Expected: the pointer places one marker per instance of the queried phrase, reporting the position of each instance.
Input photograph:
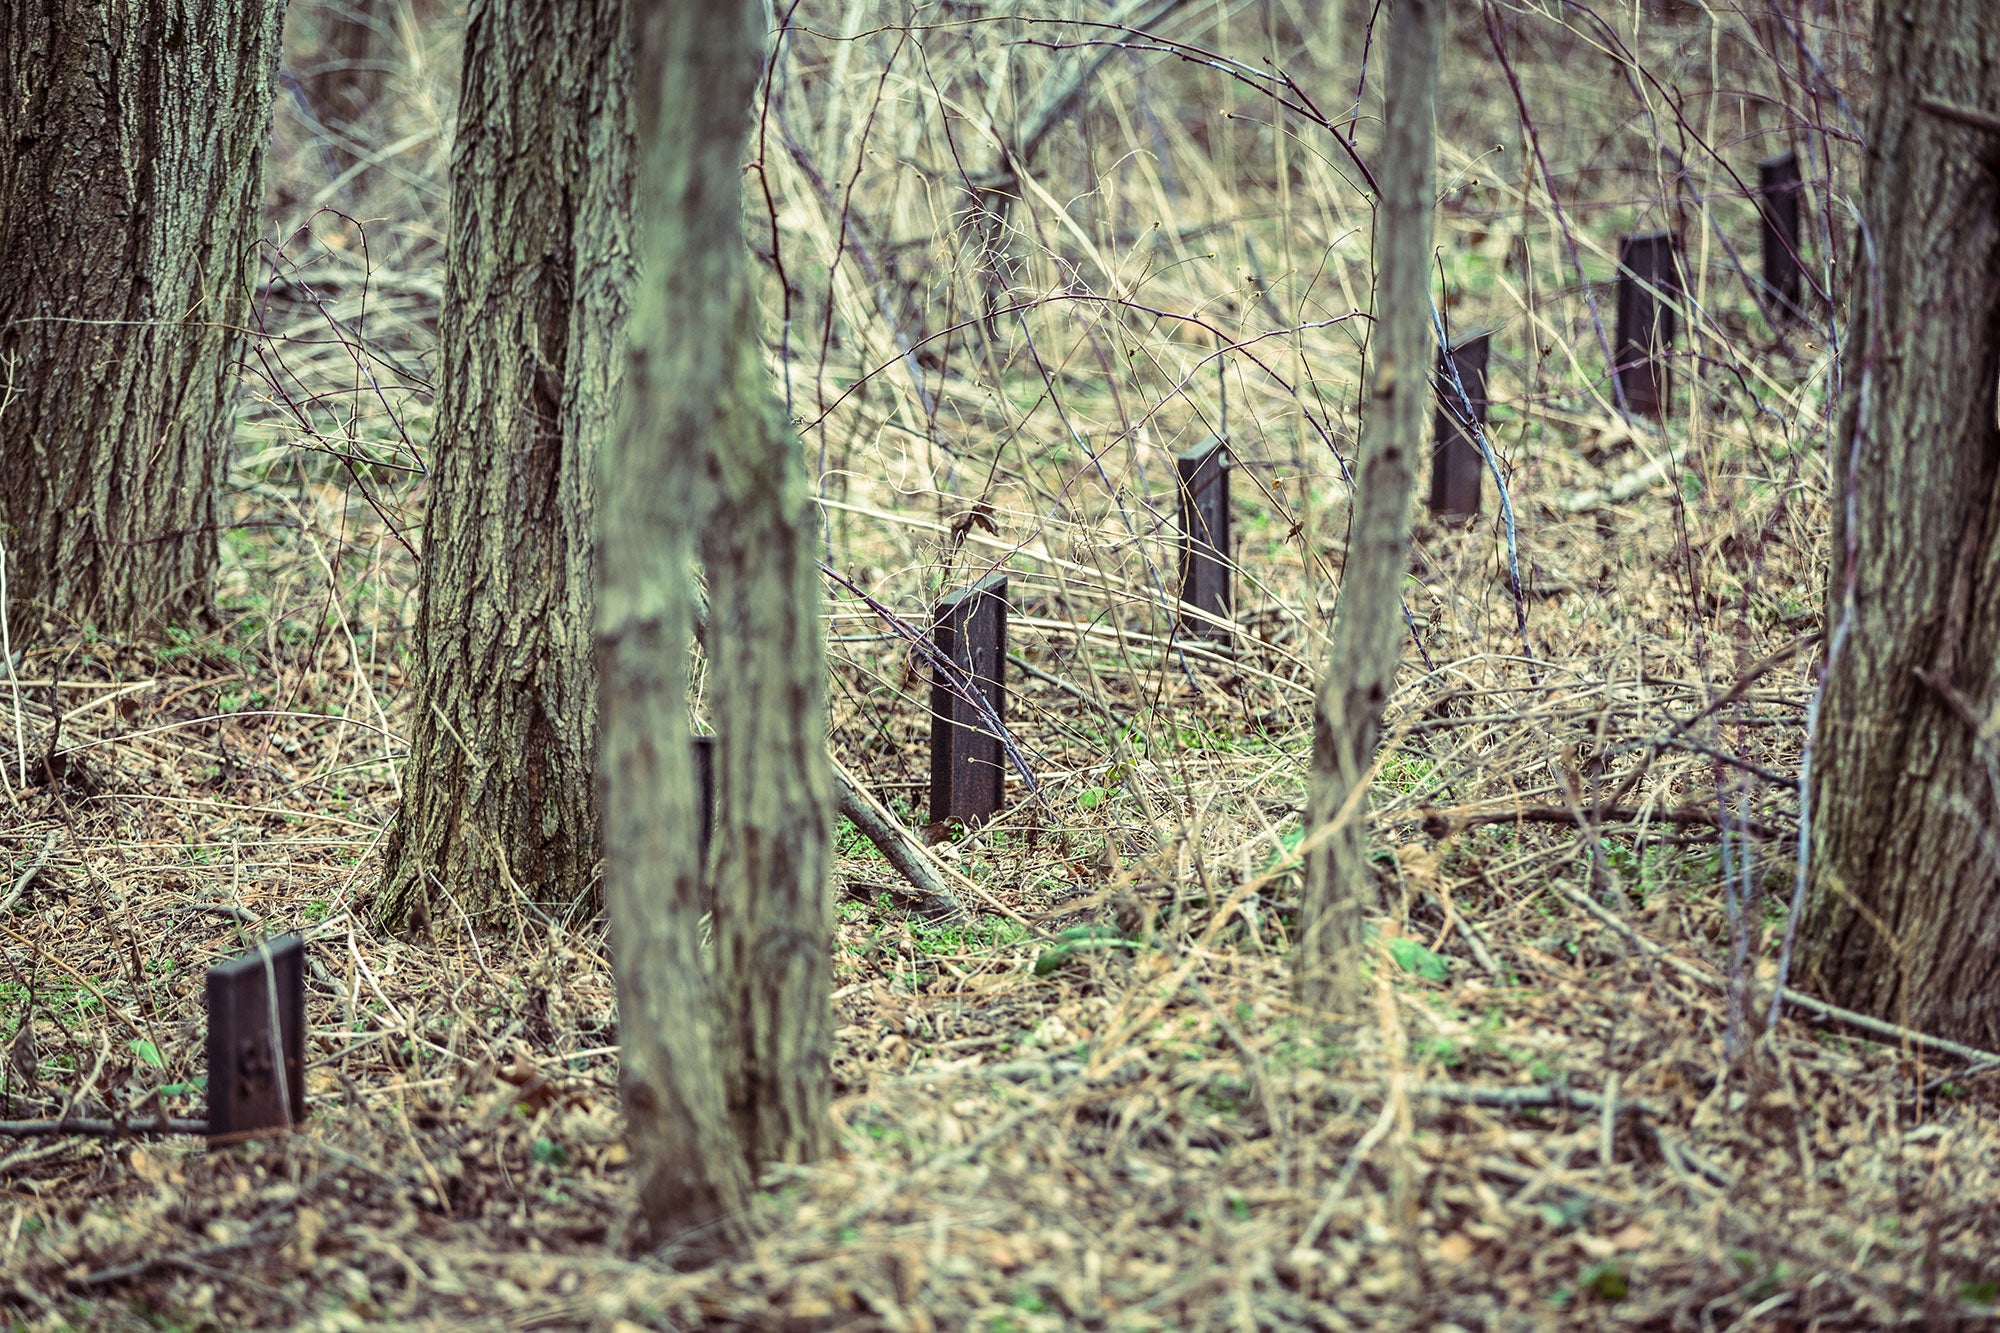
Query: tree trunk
(1368, 628)
(132, 140)
(724, 1067)
(359, 43)
(773, 782)
(499, 783)
(1904, 918)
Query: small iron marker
(1778, 190)
(256, 1040)
(704, 792)
(1649, 281)
(1204, 486)
(1457, 463)
(967, 766)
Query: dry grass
(1533, 1125)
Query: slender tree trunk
(774, 785)
(359, 38)
(724, 1067)
(1368, 628)
(1904, 919)
(132, 140)
(503, 737)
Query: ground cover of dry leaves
(1530, 1124)
(1096, 1107)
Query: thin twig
(1444, 823)
(1970, 117)
(1878, 1026)
(27, 876)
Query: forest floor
(1096, 1106)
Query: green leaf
(1414, 957)
(1607, 1281)
(148, 1052)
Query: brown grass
(1532, 1125)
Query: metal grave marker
(1778, 189)
(704, 791)
(1203, 472)
(1648, 280)
(256, 1039)
(1456, 463)
(968, 766)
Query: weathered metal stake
(1648, 270)
(256, 1039)
(1457, 464)
(1778, 189)
(968, 767)
(1205, 586)
(704, 791)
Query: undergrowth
(1094, 1106)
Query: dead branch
(897, 847)
(1444, 823)
(27, 876)
(95, 1127)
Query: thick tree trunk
(502, 740)
(1904, 920)
(724, 1067)
(1368, 628)
(132, 140)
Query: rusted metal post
(968, 767)
(1778, 189)
(1205, 584)
(704, 791)
(1457, 463)
(1648, 282)
(256, 1039)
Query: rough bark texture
(1368, 627)
(1904, 921)
(502, 739)
(773, 783)
(726, 1067)
(132, 141)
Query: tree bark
(724, 1067)
(773, 781)
(132, 139)
(1368, 627)
(1904, 917)
(499, 783)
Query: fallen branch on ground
(1878, 1026)
(1444, 823)
(27, 877)
(1624, 488)
(897, 847)
(98, 1128)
